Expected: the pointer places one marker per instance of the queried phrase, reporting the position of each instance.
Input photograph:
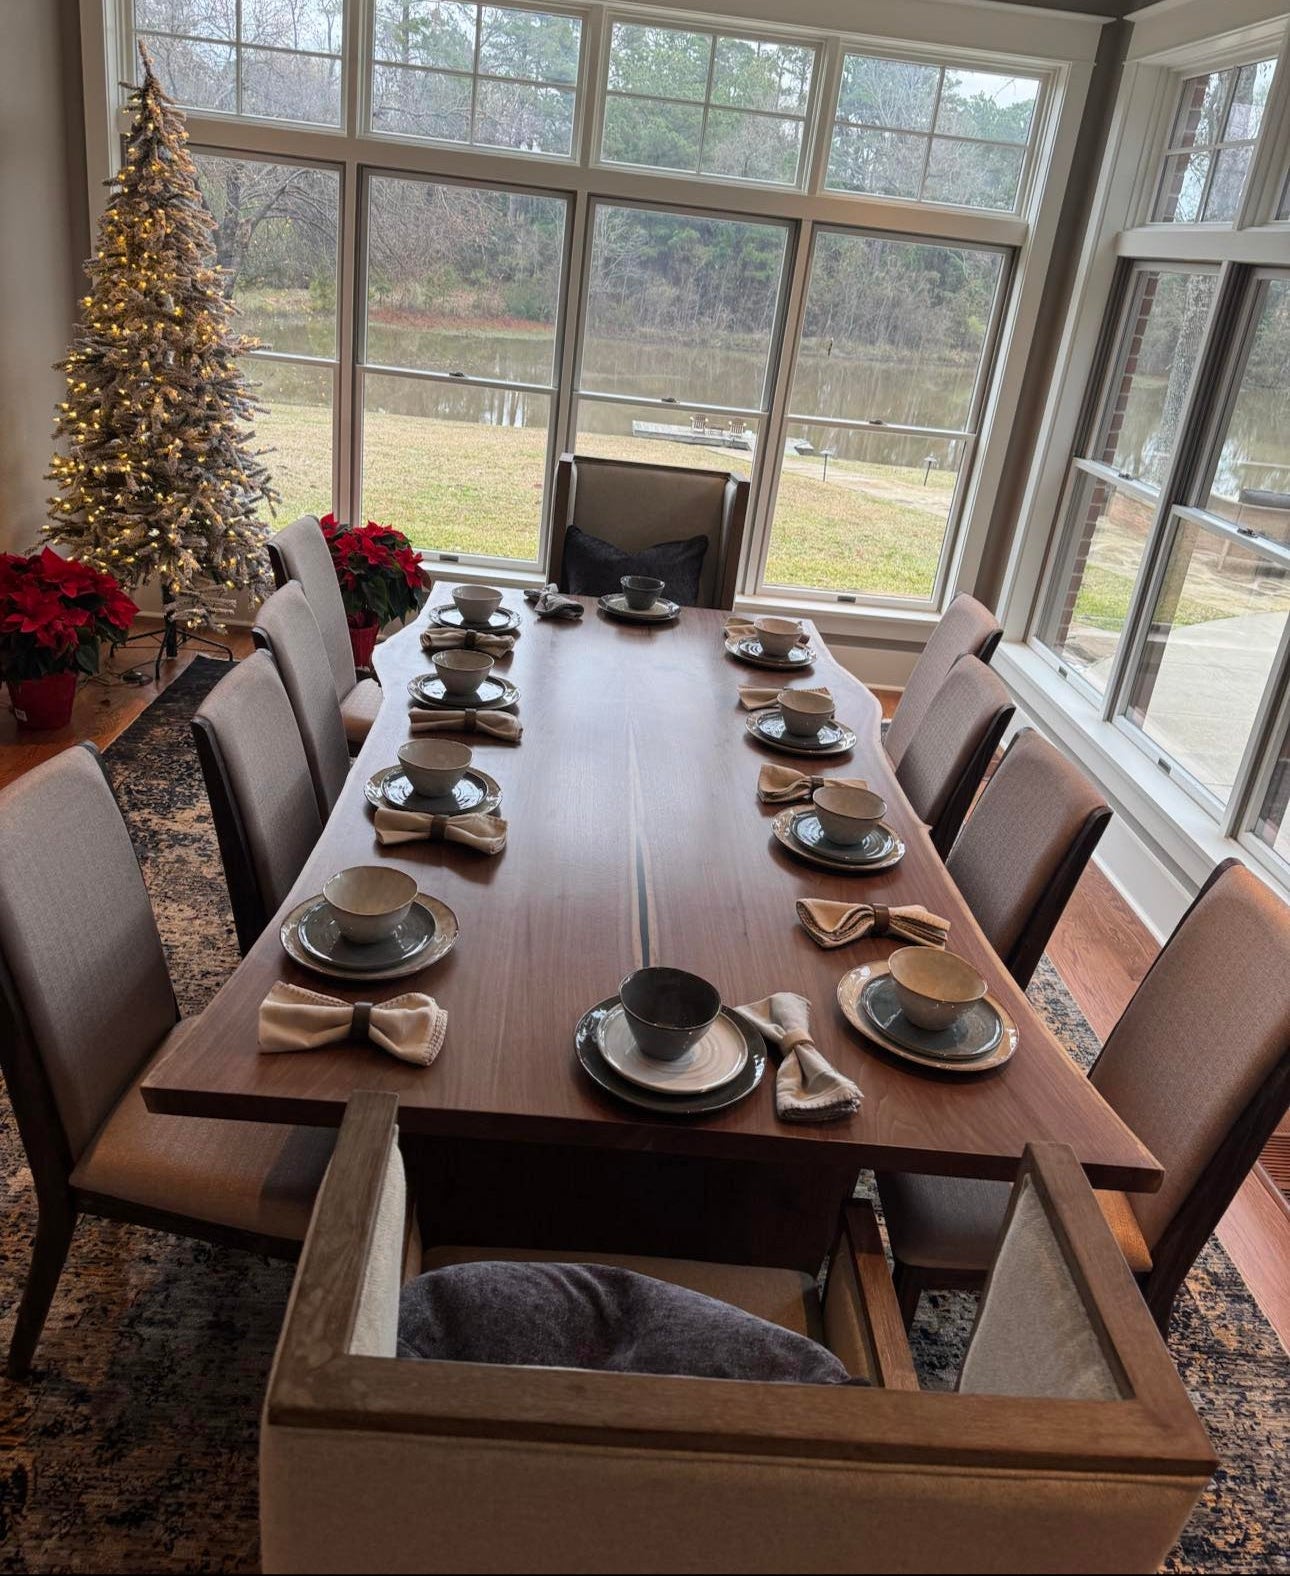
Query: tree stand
(170, 640)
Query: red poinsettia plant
(55, 614)
(378, 570)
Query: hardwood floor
(1100, 948)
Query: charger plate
(851, 989)
(785, 828)
(587, 1047)
(443, 939)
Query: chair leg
(49, 1254)
(909, 1288)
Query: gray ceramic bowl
(668, 1010)
(848, 814)
(369, 901)
(434, 766)
(934, 988)
(641, 592)
(462, 672)
(778, 636)
(477, 604)
(804, 714)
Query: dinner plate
(494, 694)
(502, 622)
(320, 935)
(476, 794)
(873, 853)
(783, 829)
(600, 1072)
(663, 611)
(976, 1032)
(851, 999)
(767, 725)
(750, 651)
(712, 1061)
(440, 920)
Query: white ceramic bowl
(934, 988)
(462, 672)
(804, 714)
(848, 814)
(477, 604)
(778, 636)
(434, 766)
(369, 901)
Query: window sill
(862, 622)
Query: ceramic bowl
(641, 592)
(434, 766)
(934, 988)
(848, 814)
(778, 636)
(668, 1010)
(462, 672)
(477, 604)
(369, 901)
(804, 714)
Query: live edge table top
(636, 835)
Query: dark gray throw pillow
(594, 567)
(598, 1316)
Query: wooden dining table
(636, 836)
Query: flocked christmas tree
(160, 478)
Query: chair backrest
(1024, 847)
(299, 552)
(285, 627)
(371, 1463)
(1199, 1063)
(967, 628)
(262, 799)
(83, 980)
(948, 756)
(635, 505)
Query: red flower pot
(44, 702)
(362, 637)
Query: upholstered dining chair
(966, 628)
(1024, 848)
(299, 552)
(262, 797)
(1198, 1066)
(635, 506)
(955, 743)
(86, 1009)
(285, 627)
(370, 1462)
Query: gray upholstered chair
(955, 743)
(1198, 1066)
(966, 628)
(86, 1009)
(1025, 845)
(635, 505)
(372, 1463)
(262, 798)
(299, 552)
(286, 628)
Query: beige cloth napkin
(550, 602)
(784, 784)
(837, 924)
(411, 1027)
(738, 628)
(487, 833)
(752, 697)
(437, 639)
(807, 1088)
(498, 724)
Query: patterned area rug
(135, 1446)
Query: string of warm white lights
(159, 478)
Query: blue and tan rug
(135, 1447)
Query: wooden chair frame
(738, 491)
(59, 1204)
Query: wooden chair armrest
(883, 1329)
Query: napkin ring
(361, 1026)
(468, 722)
(438, 828)
(470, 640)
(881, 920)
(791, 1039)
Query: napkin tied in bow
(738, 628)
(447, 639)
(550, 602)
(836, 924)
(498, 724)
(808, 1088)
(752, 697)
(486, 833)
(411, 1027)
(784, 784)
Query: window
(679, 334)
(494, 76)
(459, 362)
(882, 412)
(276, 238)
(275, 59)
(939, 134)
(706, 103)
(1211, 143)
(1272, 819)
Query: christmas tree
(159, 478)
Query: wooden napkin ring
(468, 722)
(438, 828)
(469, 641)
(792, 1038)
(881, 920)
(361, 1026)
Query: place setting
(842, 829)
(641, 601)
(770, 642)
(476, 610)
(462, 681)
(797, 721)
(931, 1008)
(369, 922)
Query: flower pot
(45, 702)
(362, 638)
